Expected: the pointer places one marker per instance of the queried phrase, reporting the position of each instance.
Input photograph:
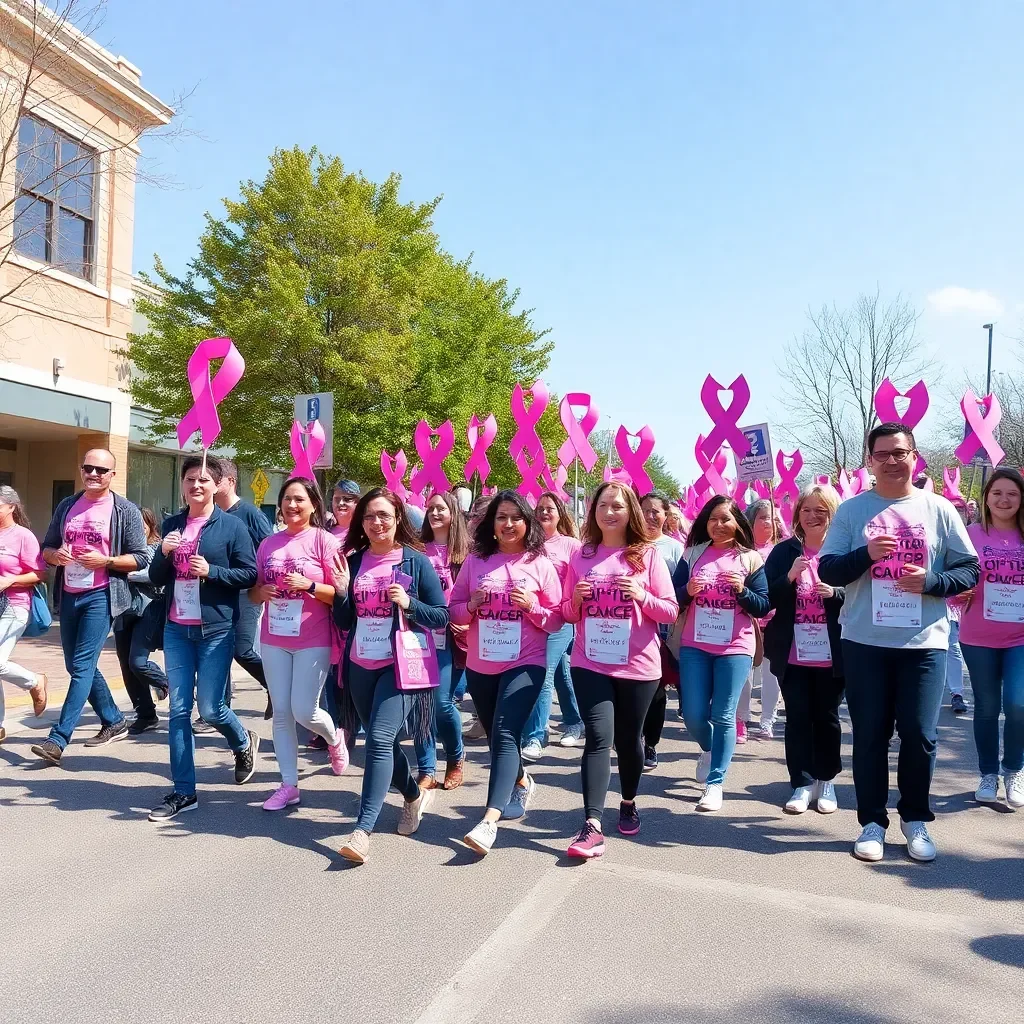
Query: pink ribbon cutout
(763, 489)
(481, 436)
(864, 478)
(531, 487)
(726, 421)
(633, 461)
(847, 486)
(788, 489)
(556, 483)
(693, 504)
(983, 426)
(431, 473)
(578, 431)
(208, 394)
(885, 407)
(711, 478)
(823, 480)
(951, 484)
(394, 470)
(617, 475)
(526, 438)
(305, 457)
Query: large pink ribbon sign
(207, 394)
(693, 504)
(726, 421)
(480, 436)
(951, 484)
(864, 478)
(394, 472)
(633, 461)
(885, 407)
(789, 467)
(305, 456)
(711, 478)
(847, 485)
(531, 487)
(556, 482)
(431, 473)
(982, 428)
(576, 443)
(526, 438)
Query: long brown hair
(744, 538)
(1004, 473)
(458, 534)
(636, 526)
(150, 523)
(404, 533)
(565, 526)
(318, 517)
(9, 496)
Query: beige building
(75, 116)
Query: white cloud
(955, 299)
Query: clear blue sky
(669, 184)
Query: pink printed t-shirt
(764, 551)
(87, 528)
(501, 635)
(995, 615)
(19, 554)
(560, 550)
(618, 636)
(296, 620)
(810, 647)
(371, 638)
(715, 621)
(185, 607)
(340, 533)
(438, 555)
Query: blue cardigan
(225, 543)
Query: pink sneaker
(282, 797)
(588, 844)
(339, 754)
(741, 731)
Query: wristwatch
(312, 588)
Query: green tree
(326, 281)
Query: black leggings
(613, 710)
(814, 736)
(655, 720)
(137, 671)
(503, 703)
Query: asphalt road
(230, 914)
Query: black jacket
(778, 634)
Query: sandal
(453, 774)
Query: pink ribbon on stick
(431, 473)
(885, 407)
(633, 461)
(951, 484)
(556, 482)
(305, 456)
(207, 394)
(480, 435)
(983, 426)
(530, 470)
(726, 421)
(394, 472)
(711, 478)
(789, 467)
(578, 431)
(525, 438)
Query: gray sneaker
(572, 735)
(520, 799)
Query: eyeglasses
(896, 455)
(379, 517)
(96, 470)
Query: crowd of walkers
(878, 600)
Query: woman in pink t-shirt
(21, 568)
(296, 585)
(992, 637)
(619, 590)
(508, 594)
(721, 587)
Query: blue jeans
(997, 677)
(84, 625)
(383, 709)
(710, 686)
(461, 686)
(447, 725)
(955, 660)
(198, 664)
(556, 678)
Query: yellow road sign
(259, 486)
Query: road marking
(465, 994)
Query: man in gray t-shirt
(900, 552)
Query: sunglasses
(96, 470)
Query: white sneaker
(703, 766)
(825, 797)
(767, 731)
(481, 838)
(988, 790)
(712, 798)
(799, 801)
(572, 736)
(1014, 783)
(919, 843)
(870, 843)
(532, 751)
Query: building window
(53, 214)
(153, 482)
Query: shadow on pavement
(1003, 949)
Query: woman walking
(619, 589)
(802, 643)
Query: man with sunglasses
(94, 540)
(900, 552)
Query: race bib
(77, 577)
(284, 616)
(811, 640)
(1004, 602)
(713, 625)
(440, 638)
(373, 638)
(891, 606)
(499, 639)
(607, 640)
(186, 601)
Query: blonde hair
(829, 498)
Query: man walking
(900, 552)
(95, 538)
